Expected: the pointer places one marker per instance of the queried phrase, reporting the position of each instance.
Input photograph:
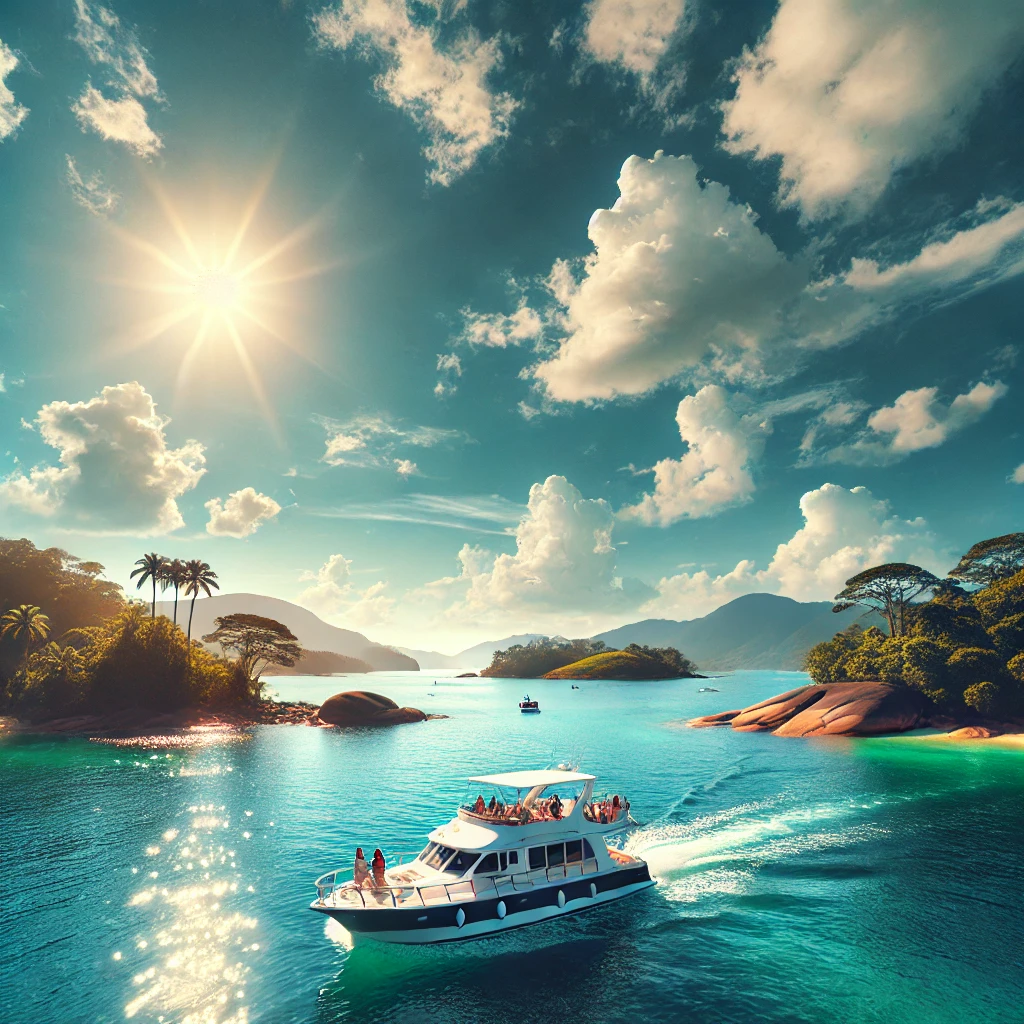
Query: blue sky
(456, 319)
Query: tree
(25, 625)
(198, 577)
(888, 588)
(991, 560)
(150, 567)
(258, 642)
(173, 575)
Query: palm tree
(25, 624)
(150, 567)
(198, 577)
(173, 575)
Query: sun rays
(216, 292)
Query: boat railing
(337, 888)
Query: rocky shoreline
(852, 709)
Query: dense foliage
(633, 662)
(539, 657)
(258, 642)
(965, 651)
(129, 661)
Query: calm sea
(848, 881)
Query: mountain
(313, 633)
(475, 657)
(753, 631)
(319, 663)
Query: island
(558, 658)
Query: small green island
(557, 658)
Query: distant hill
(313, 633)
(614, 665)
(753, 631)
(319, 663)
(472, 657)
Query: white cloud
(917, 419)
(117, 473)
(464, 513)
(1018, 474)
(241, 514)
(372, 441)
(118, 120)
(116, 49)
(91, 192)
(12, 113)
(406, 468)
(849, 92)
(449, 366)
(844, 532)
(715, 471)
(633, 33)
(332, 594)
(496, 330)
(681, 279)
(438, 78)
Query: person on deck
(492, 807)
(378, 868)
(555, 807)
(616, 808)
(360, 870)
(479, 807)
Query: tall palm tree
(198, 577)
(173, 575)
(150, 567)
(25, 624)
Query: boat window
(503, 861)
(489, 862)
(513, 856)
(428, 850)
(588, 850)
(574, 852)
(537, 859)
(556, 855)
(461, 862)
(438, 857)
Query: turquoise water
(853, 881)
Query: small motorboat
(574, 686)
(534, 851)
(707, 689)
(529, 707)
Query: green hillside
(618, 665)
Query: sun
(219, 286)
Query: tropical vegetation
(633, 662)
(258, 642)
(964, 649)
(550, 654)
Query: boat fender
(501, 910)
(593, 891)
(460, 917)
(561, 898)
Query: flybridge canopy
(531, 779)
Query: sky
(451, 319)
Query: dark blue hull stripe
(396, 919)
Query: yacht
(529, 847)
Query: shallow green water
(854, 881)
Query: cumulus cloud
(497, 330)
(373, 441)
(241, 514)
(848, 92)
(632, 33)
(1018, 474)
(117, 474)
(439, 79)
(116, 49)
(844, 532)
(406, 468)
(91, 192)
(714, 473)
(917, 419)
(681, 278)
(12, 113)
(332, 593)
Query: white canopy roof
(463, 835)
(529, 779)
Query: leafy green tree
(173, 576)
(258, 642)
(150, 567)
(56, 678)
(991, 560)
(984, 697)
(533, 660)
(889, 589)
(199, 579)
(26, 625)
(672, 659)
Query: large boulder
(833, 709)
(359, 707)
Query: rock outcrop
(359, 707)
(833, 709)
